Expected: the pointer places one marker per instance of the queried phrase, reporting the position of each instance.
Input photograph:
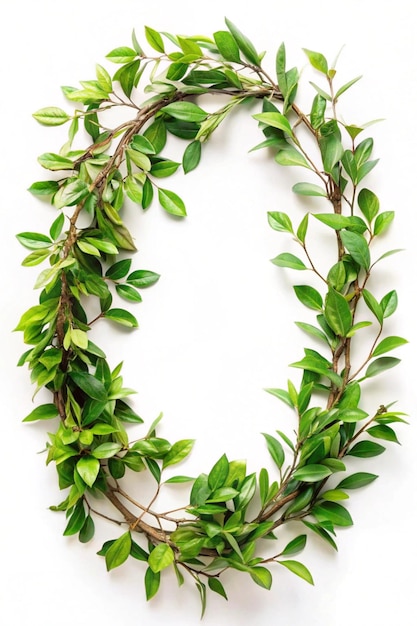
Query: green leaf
(122, 317)
(317, 60)
(227, 46)
(152, 582)
(275, 450)
(332, 512)
(346, 86)
(387, 344)
(380, 365)
(308, 189)
(88, 468)
(51, 116)
(161, 557)
(128, 293)
(55, 162)
(357, 480)
(383, 221)
(337, 313)
(71, 193)
(44, 188)
(185, 111)
(123, 54)
(178, 480)
(312, 473)
(357, 246)
(142, 278)
(382, 431)
(87, 531)
(295, 546)
(191, 157)
(280, 221)
(106, 450)
(34, 241)
(389, 303)
(366, 449)
(42, 412)
(218, 474)
(309, 296)
(276, 120)
(334, 220)
(119, 551)
(261, 576)
(302, 228)
(178, 452)
(282, 394)
(245, 46)
(299, 569)
(216, 586)
(56, 226)
(291, 156)
(119, 269)
(373, 305)
(368, 203)
(91, 386)
(172, 203)
(76, 521)
(154, 39)
(286, 259)
(164, 168)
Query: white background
(218, 328)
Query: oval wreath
(229, 514)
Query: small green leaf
(295, 546)
(309, 296)
(286, 259)
(191, 157)
(368, 203)
(55, 162)
(308, 189)
(121, 55)
(88, 468)
(178, 452)
(152, 582)
(276, 120)
(382, 431)
(357, 246)
(261, 576)
(387, 344)
(317, 60)
(34, 241)
(383, 221)
(245, 46)
(76, 521)
(275, 450)
(154, 39)
(290, 157)
(51, 116)
(56, 227)
(128, 293)
(161, 557)
(122, 317)
(119, 269)
(366, 449)
(218, 473)
(185, 111)
(299, 569)
(337, 313)
(91, 386)
(332, 512)
(227, 46)
(312, 473)
(44, 188)
(119, 551)
(106, 450)
(280, 221)
(42, 412)
(380, 365)
(142, 278)
(87, 531)
(172, 203)
(357, 480)
(216, 586)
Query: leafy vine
(230, 514)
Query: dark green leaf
(191, 157)
(216, 586)
(333, 512)
(152, 582)
(87, 531)
(337, 313)
(142, 278)
(356, 481)
(380, 365)
(366, 449)
(91, 386)
(382, 431)
(76, 521)
(128, 293)
(245, 46)
(227, 46)
(295, 546)
(357, 246)
(275, 450)
(309, 296)
(218, 474)
(119, 269)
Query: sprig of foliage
(229, 512)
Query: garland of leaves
(229, 513)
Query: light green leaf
(380, 365)
(309, 296)
(191, 157)
(332, 512)
(280, 221)
(171, 202)
(34, 241)
(123, 54)
(51, 116)
(245, 46)
(276, 120)
(161, 557)
(88, 468)
(383, 221)
(337, 313)
(227, 46)
(357, 247)
(291, 156)
(119, 551)
(312, 473)
(299, 569)
(286, 259)
(106, 450)
(295, 546)
(185, 111)
(387, 344)
(308, 189)
(261, 576)
(142, 278)
(178, 452)
(317, 60)
(154, 39)
(55, 162)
